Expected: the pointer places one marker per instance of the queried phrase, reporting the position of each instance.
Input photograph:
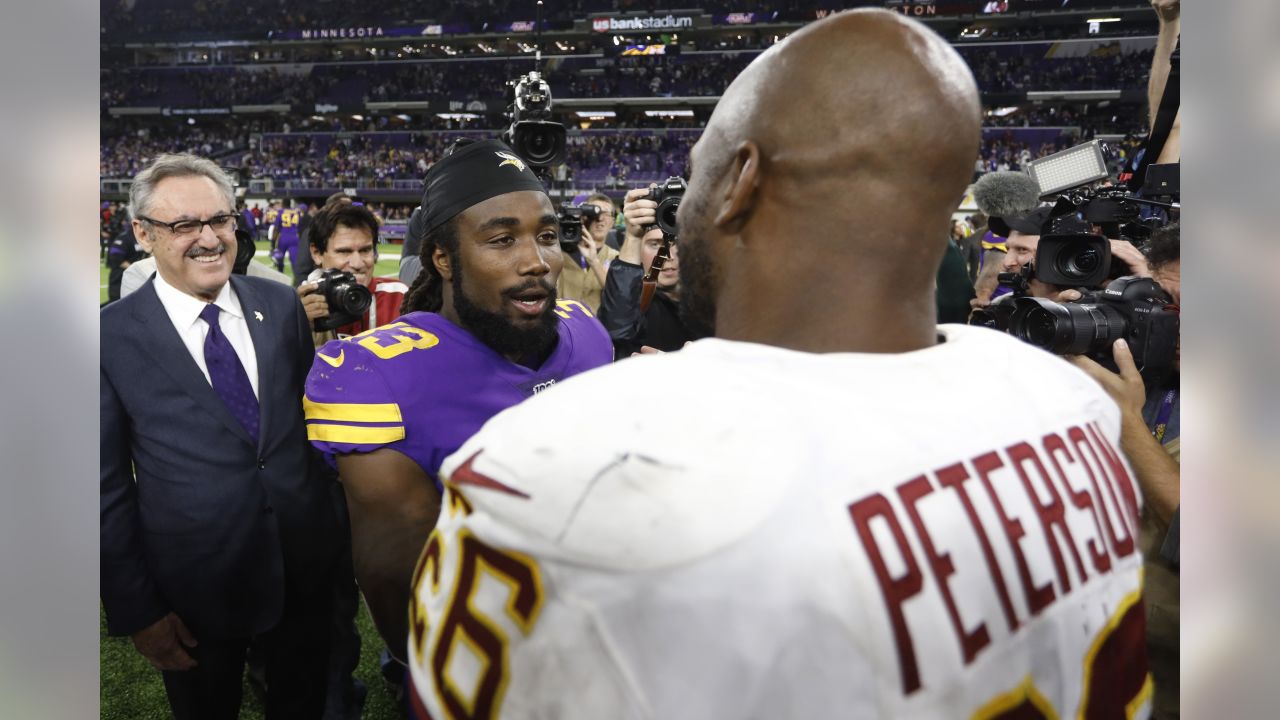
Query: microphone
(1005, 194)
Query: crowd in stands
(124, 155)
(127, 18)
(359, 160)
(624, 156)
(604, 159)
(997, 70)
(1010, 72)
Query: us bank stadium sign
(614, 24)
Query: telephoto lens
(1072, 329)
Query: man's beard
(498, 331)
(697, 294)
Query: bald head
(837, 157)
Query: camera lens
(1086, 262)
(667, 215)
(1039, 327)
(1072, 329)
(1078, 265)
(353, 299)
(539, 143)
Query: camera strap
(649, 284)
(1164, 413)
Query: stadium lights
(358, 118)
(1002, 111)
(1069, 168)
(1102, 20)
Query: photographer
(660, 326)
(1022, 233)
(343, 238)
(586, 266)
(1150, 428)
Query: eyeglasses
(220, 224)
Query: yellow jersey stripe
(354, 434)
(351, 412)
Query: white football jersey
(743, 531)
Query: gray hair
(176, 165)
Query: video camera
(533, 135)
(1070, 255)
(668, 196)
(347, 298)
(571, 225)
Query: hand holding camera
(1125, 385)
(313, 303)
(639, 213)
(589, 249)
(342, 299)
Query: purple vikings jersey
(422, 386)
(287, 226)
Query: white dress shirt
(184, 312)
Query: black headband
(472, 174)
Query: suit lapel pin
(258, 314)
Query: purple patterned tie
(229, 379)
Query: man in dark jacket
(660, 325)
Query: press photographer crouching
(341, 296)
(636, 316)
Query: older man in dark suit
(217, 528)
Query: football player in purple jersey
(482, 331)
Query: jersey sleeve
(349, 406)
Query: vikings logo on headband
(469, 176)
(509, 159)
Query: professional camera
(347, 298)
(1134, 309)
(533, 135)
(1073, 260)
(571, 226)
(996, 315)
(668, 196)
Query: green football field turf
(385, 267)
(132, 690)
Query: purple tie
(229, 379)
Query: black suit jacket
(215, 527)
